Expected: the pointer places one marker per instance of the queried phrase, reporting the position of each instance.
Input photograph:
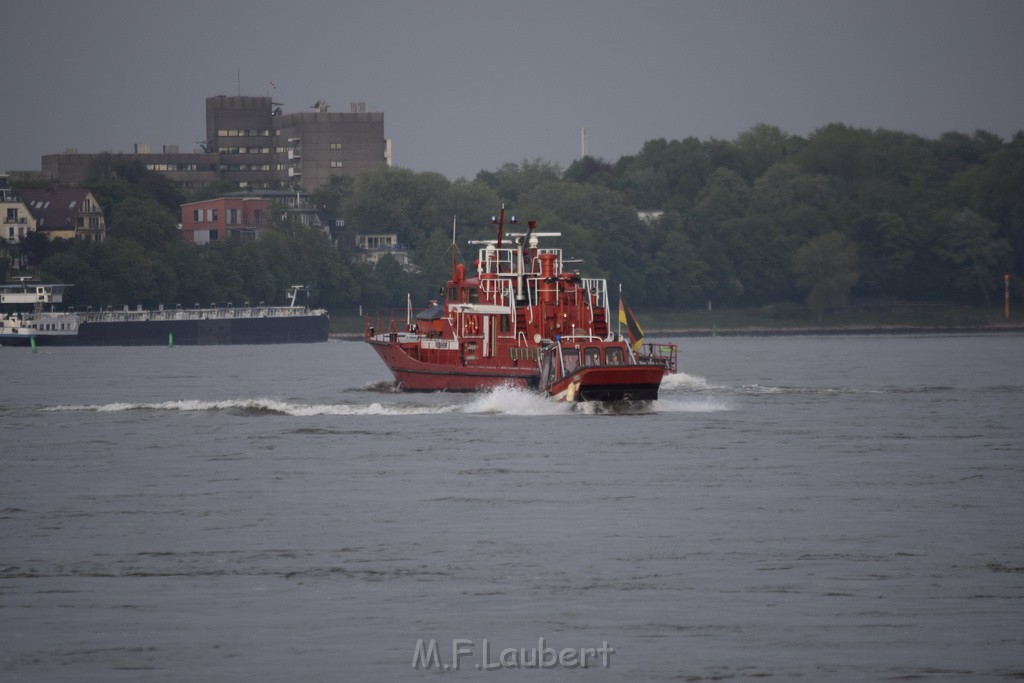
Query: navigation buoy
(32, 341)
(170, 339)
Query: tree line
(767, 218)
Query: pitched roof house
(66, 213)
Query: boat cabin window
(591, 356)
(474, 295)
(570, 360)
(547, 368)
(613, 356)
(505, 323)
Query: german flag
(626, 317)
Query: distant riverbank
(797, 331)
(825, 330)
(791, 319)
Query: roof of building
(56, 208)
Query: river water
(829, 508)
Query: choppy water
(840, 508)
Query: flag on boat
(626, 317)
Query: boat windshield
(570, 360)
(613, 356)
(591, 356)
(547, 368)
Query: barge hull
(270, 330)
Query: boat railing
(653, 353)
(575, 337)
(505, 261)
(499, 261)
(500, 292)
(397, 320)
(172, 314)
(598, 288)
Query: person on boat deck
(591, 357)
(613, 356)
(571, 360)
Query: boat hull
(610, 384)
(416, 375)
(270, 330)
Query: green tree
(759, 254)
(977, 258)
(666, 175)
(78, 266)
(996, 194)
(589, 170)
(827, 266)
(676, 275)
(332, 196)
(36, 247)
(512, 181)
(112, 181)
(143, 221)
(400, 201)
(724, 197)
(763, 146)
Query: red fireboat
(521, 309)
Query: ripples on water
(840, 508)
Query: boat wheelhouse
(582, 368)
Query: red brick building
(215, 220)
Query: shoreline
(836, 331)
(798, 331)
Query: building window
(213, 235)
(336, 164)
(233, 217)
(197, 215)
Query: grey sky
(467, 85)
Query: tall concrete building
(251, 143)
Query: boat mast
(619, 333)
(500, 221)
(453, 246)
